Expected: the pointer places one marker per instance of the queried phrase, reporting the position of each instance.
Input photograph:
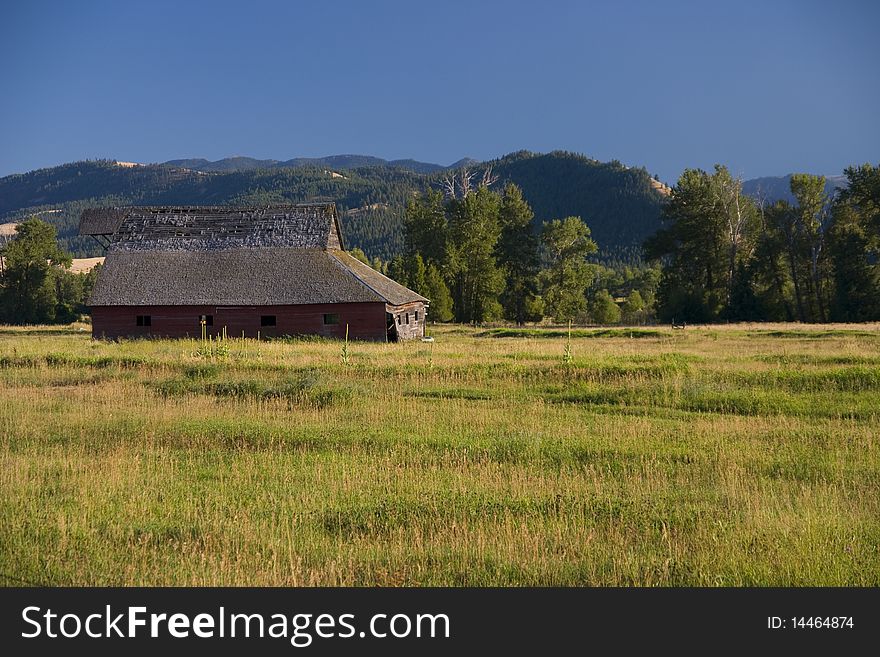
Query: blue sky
(765, 87)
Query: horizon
(795, 90)
(827, 175)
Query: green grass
(712, 456)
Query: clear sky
(766, 87)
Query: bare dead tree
(448, 184)
(461, 183)
(489, 177)
(465, 181)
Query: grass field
(741, 455)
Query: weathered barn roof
(100, 221)
(392, 291)
(304, 226)
(268, 276)
(281, 255)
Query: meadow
(714, 456)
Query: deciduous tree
(567, 244)
(31, 263)
(603, 309)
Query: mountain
(419, 167)
(778, 188)
(227, 164)
(240, 163)
(462, 163)
(620, 204)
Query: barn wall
(406, 324)
(367, 321)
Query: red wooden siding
(366, 321)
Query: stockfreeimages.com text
(301, 629)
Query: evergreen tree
(437, 292)
(415, 273)
(425, 227)
(397, 270)
(518, 256)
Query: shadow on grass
(61, 330)
(575, 333)
(815, 335)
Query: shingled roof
(390, 290)
(280, 255)
(100, 221)
(305, 226)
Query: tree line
(472, 251)
(475, 253)
(478, 255)
(728, 257)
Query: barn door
(391, 327)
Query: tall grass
(712, 456)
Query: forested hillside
(618, 203)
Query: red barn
(272, 271)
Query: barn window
(331, 318)
(417, 316)
(267, 320)
(407, 318)
(144, 320)
(399, 320)
(207, 319)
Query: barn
(258, 272)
